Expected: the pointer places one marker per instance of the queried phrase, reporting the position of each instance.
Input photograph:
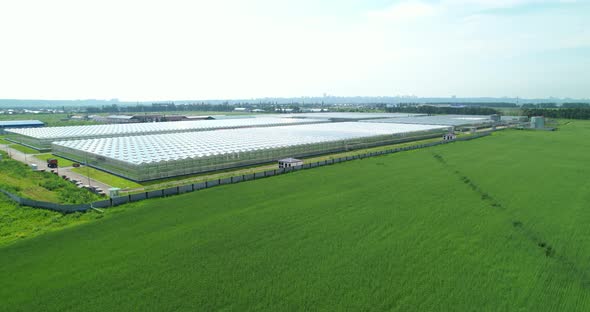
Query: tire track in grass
(536, 238)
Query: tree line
(566, 113)
(554, 105)
(426, 109)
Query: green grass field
(497, 223)
(24, 222)
(106, 177)
(24, 149)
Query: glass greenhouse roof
(446, 120)
(343, 115)
(114, 130)
(8, 123)
(171, 147)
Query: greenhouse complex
(156, 156)
(446, 120)
(41, 138)
(343, 116)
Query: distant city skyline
(229, 49)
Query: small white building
(449, 136)
(290, 162)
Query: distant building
(202, 117)
(120, 119)
(313, 110)
(290, 162)
(449, 136)
(5, 124)
(240, 109)
(538, 122)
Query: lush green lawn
(106, 177)
(24, 149)
(498, 223)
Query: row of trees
(425, 109)
(140, 108)
(567, 113)
(554, 105)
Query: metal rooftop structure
(163, 155)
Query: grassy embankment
(19, 179)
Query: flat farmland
(497, 223)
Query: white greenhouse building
(445, 120)
(151, 157)
(41, 138)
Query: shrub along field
(498, 223)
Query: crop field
(497, 223)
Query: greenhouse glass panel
(159, 156)
(446, 120)
(41, 138)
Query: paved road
(42, 165)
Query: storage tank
(538, 122)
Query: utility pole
(87, 169)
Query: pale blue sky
(181, 49)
